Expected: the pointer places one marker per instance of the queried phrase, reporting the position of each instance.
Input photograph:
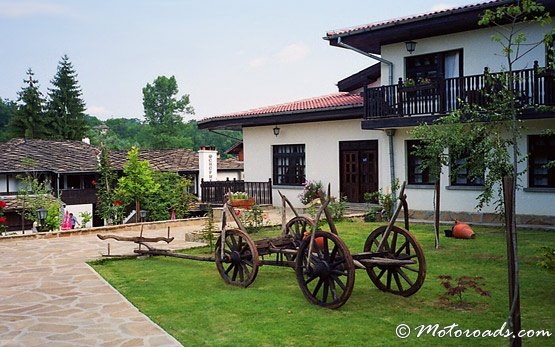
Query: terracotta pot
(245, 203)
(319, 240)
(462, 231)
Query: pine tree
(66, 108)
(28, 120)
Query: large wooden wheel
(239, 264)
(297, 227)
(326, 277)
(404, 277)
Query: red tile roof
(412, 18)
(332, 101)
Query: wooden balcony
(402, 105)
(79, 196)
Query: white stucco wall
(479, 51)
(321, 142)
(458, 199)
(224, 175)
(77, 210)
(322, 163)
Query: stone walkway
(49, 296)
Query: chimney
(208, 164)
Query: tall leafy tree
(66, 107)
(28, 120)
(164, 110)
(7, 110)
(137, 181)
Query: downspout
(390, 132)
(370, 55)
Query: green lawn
(191, 302)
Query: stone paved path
(49, 296)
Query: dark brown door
(359, 169)
(350, 175)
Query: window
(415, 173)
(462, 175)
(289, 165)
(434, 66)
(541, 150)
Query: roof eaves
(282, 113)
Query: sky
(229, 56)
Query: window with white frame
(289, 164)
(541, 161)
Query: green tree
(28, 120)
(7, 110)
(137, 182)
(34, 194)
(108, 207)
(173, 195)
(65, 109)
(163, 110)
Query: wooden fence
(212, 192)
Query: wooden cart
(324, 266)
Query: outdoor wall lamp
(42, 214)
(276, 130)
(143, 215)
(411, 46)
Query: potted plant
(240, 199)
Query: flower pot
(462, 231)
(244, 203)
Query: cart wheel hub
(322, 269)
(235, 258)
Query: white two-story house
(359, 139)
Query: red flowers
(2, 220)
(117, 202)
(93, 182)
(2, 204)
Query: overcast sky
(227, 55)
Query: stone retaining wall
(147, 226)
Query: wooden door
(350, 175)
(358, 169)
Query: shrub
(548, 258)
(385, 200)
(337, 208)
(456, 287)
(85, 218)
(209, 228)
(312, 190)
(252, 219)
(2, 218)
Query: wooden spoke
(239, 265)
(331, 264)
(297, 227)
(400, 245)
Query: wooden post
(514, 291)
(283, 215)
(436, 213)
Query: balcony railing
(533, 86)
(78, 196)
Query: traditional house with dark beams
(70, 170)
(359, 138)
